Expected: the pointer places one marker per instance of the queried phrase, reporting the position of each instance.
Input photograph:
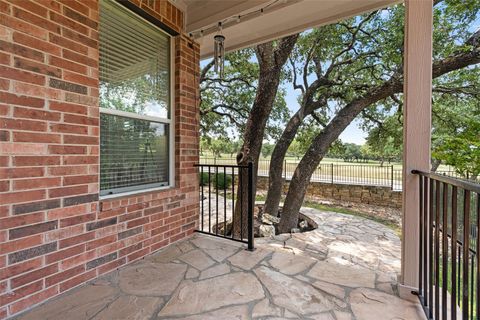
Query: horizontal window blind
(135, 80)
(134, 63)
(134, 153)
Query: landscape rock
(266, 231)
(270, 219)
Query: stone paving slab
(344, 270)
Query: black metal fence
(370, 175)
(449, 267)
(220, 185)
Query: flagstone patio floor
(344, 270)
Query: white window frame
(171, 127)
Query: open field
(334, 171)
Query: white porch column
(417, 125)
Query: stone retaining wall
(380, 196)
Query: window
(135, 118)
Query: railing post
(391, 176)
(251, 204)
(331, 171)
(285, 169)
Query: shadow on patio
(346, 269)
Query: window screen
(134, 100)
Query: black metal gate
(223, 204)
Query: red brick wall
(54, 232)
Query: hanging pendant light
(219, 52)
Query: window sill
(134, 192)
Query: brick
(71, 201)
(17, 294)
(11, 98)
(35, 20)
(35, 206)
(37, 67)
(20, 268)
(67, 170)
(137, 222)
(63, 254)
(12, 246)
(4, 135)
(129, 233)
(24, 76)
(36, 183)
(68, 128)
(67, 107)
(65, 243)
(33, 229)
(73, 180)
(4, 185)
(67, 86)
(72, 160)
(14, 173)
(24, 161)
(62, 149)
(78, 37)
(31, 253)
(77, 220)
(62, 20)
(4, 83)
(65, 275)
(67, 64)
(33, 276)
(28, 113)
(111, 265)
(130, 249)
(81, 99)
(77, 260)
(75, 281)
(4, 161)
(101, 224)
(21, 50)
(36, 137)
(33, 300)
(66, 43)
(31, 43)
(72, 139)
(22, 196)
(22, 124)
(33, 8)
(102, 260)
(81, 18)
(79, 58)
(67, 191)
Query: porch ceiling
(279, 19)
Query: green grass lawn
(360, 172)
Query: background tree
(368, 71)
(246, 97)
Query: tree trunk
(271, 61)
(321, 143)
(275, 180)
(435, 164)
(319, 147)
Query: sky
(352, 134)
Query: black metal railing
(358, 174)
(449, 268)
(227, 201)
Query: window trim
(132, 190)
